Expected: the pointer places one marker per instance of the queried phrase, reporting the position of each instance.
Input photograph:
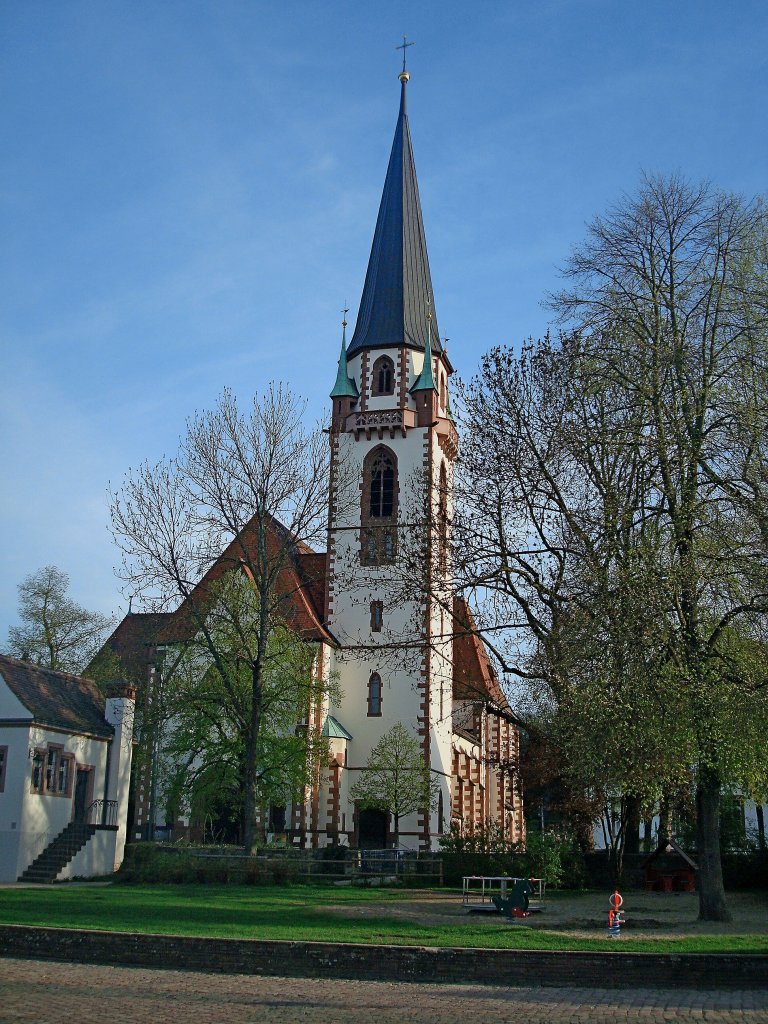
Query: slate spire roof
(398, 289)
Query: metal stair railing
(102, 812)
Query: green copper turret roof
(426, 379)
(334, 730)
(344, 387)
(398, 288)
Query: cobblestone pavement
(49, 993)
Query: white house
(65, 764)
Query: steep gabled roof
(131, 639)
(57, 699)
(300, 584)
(474, 677)
(397, 294)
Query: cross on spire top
(404, 48)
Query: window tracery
(378, 513)
(383, 376)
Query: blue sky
(188, 192)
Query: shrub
(550, 855)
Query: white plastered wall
(17, 778)
(39, 818)
(353, 588)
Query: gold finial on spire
(404, 76)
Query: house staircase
(59, 853)
(70, 841)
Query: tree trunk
(648, 838)
(760, 826)
(632, 835)
(712, 905)
(665, 821)
(249, 797)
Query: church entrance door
(372, 830)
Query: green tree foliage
(397, 779)
(55, 631)
(623, 491)
(254, 483)
(204, 708)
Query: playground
(655, 922)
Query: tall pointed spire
(398, 288)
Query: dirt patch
(648, 915)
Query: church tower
(389, 585)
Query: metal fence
(331, 864)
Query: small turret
(424, 391)
(345, 393)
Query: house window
(3, 765)
(63, 776)
(443, 391)
(37, 771)
(377, 615)
(52, 771)
(374, 695)
(378, 511)
(383, 376)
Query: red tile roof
(474, 677)
(134, 635)
(299, 585)
(56, 699)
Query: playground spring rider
(615, 915)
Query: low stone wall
(389, 963)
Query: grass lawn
(318, 913)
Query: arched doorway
(372, 829)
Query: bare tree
(253, 485)
(616, 496)
(55, 632)
(670, 289)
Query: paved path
(50, 993)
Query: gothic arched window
(374, 695)
(378, 514)
(443, 392)
(382, 493)
(383, 376)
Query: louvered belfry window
(378, 509)
(383, 376)
(382, 486)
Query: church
(412, 658)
